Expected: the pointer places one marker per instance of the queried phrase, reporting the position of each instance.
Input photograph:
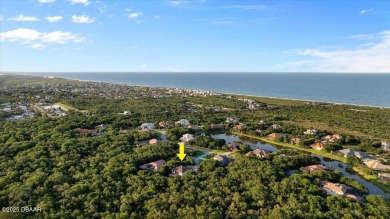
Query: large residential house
(147, 126)
(258, 153)
(153, 166)
(350, 152)
(385, 146)
(295, 141)
(384, 177)
(316, 167)
(238, 127)
(163, 124)
(275, 127)
(153, 141)
(310, 132)
(276, 135)
(339, 189)
(231, 120)
(318, 146)
(186, 137)
(376, 165)
(332, 138)
(180, 170)
(183, 122)
(222, 160)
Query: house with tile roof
(351, 152)
(316, 167)
(376, 165)
(318, 146)
(260, 153)
(153, 166)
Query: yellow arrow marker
(181, 153)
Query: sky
(195, 36)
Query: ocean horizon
(345, 88)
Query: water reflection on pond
(254, 144)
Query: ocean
(360, 89)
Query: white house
(231, 120)
(147, 126)
(385, 146)
(310, 132)
(183, 122)
(186, 137)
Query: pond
(254, 144)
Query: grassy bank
(283, 144)
(371, 178)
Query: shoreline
(374, 181)
(239, 94)
(224, 93)
(282, 144)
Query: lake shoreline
(374, 181)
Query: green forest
(46, 162)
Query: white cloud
(37, 46)
(85, 2)
(134, 15)
(1, 17)
(39, 40)
(157, 17)
(21, 17)
(21, 34)
(366, 11)
(372, 58)
(46, 1)
(82, 19)
(53, 19)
